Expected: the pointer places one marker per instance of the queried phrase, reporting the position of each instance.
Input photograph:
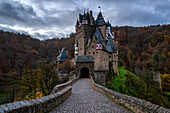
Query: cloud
(57, 18)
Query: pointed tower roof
(77, 23)
(110, 47)
(63, 55)
(100, 20)
(84, 16)
(98, 35)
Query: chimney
(79, 18)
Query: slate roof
(99, 35)
(110, 47)
(85, 59)
(77, 23)
(81, 16)
(100, 20)
(63, 55)
(84, 16)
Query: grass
(167, 93)
(124, 83)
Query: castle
(95, 47)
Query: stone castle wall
(90, 66)
(134, 104)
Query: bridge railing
(134, 104)
(43, 104)
(60, 87)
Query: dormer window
(99, 46)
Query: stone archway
(84, 72)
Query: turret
(80, 20)
(84, 20)
(77, 25)
(100, 20)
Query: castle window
(109, 56)
(94, 41)
(92, 46)
(96, 52)
(93, 52)
(89, 52)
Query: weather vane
(99, 8)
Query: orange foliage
(28, 38)
(14, 39)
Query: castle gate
(84, 72)
(85, 66)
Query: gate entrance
(84, 72)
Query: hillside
(145, 48)
(20, 54)
(130, 84)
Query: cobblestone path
(84, 99)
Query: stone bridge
(84, 99)
(83, 96)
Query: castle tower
(94, 39)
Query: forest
(25, 62)
(143, 53)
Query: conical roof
(100, 20)
(110, 47)
(77, 23)
(100, 16)
(84, 16)
(63, 55)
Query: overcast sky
(46, 19)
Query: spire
(100, 20)
(84, 16)
(100, 16)
(84, 20)
(77, 24)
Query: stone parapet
(134, 104)
(43, 104)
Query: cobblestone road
(84, 99)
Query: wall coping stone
(59, 94)
(132, 103)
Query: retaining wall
(134, 104)
(43, 104)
